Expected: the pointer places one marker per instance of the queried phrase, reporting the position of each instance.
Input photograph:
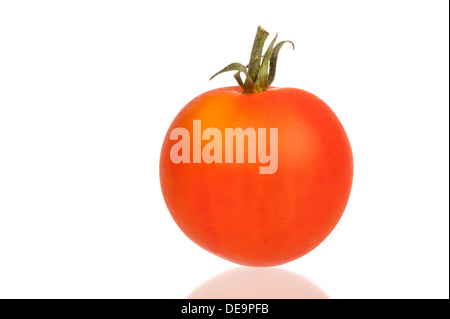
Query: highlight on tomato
(256, 174)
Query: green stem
(262, 82)
(260, 72)
(255, 58)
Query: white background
(89, 88)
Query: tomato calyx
(260, 71)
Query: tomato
(258, 179)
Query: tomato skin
(255, 219)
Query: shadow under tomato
(258, 283)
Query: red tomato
(260, 212)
